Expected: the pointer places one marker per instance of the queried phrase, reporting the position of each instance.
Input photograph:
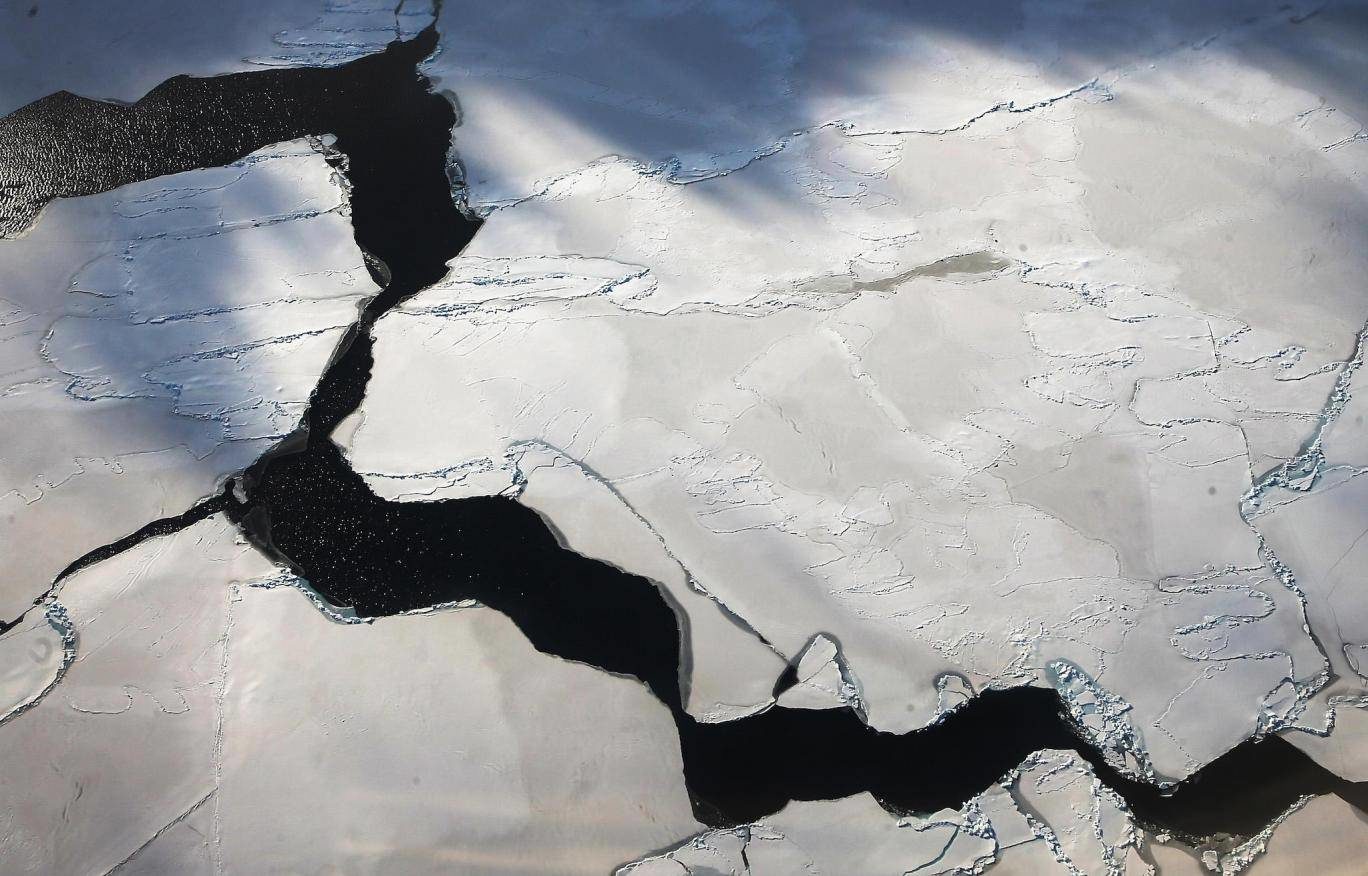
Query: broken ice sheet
(1320, 536)
(821, 679)
(125, 745)
(811, 477)
(853, 835)
(1049, 815)
(701, 89)
(977, 401)
(157, 339)
(198, 698)
(977, 397)
(1326, 836)
(120, 51)
(31, 658)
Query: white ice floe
(1049, 815)
(156, 340)
(976, 373)
(923, 351)
(207, 725)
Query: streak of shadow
(65, 146)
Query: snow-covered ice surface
(1048, 814)
(975, 349)
(156, 340)
(970, 360)
(913, 351)
(210, 720)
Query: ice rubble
(972, 372)
(157, 339)
(822, 680)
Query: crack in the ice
(1300, 475)
(733, 769)
(194, 807)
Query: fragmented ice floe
(1049, 815)
(853, 835)
(967, 356)
(1325, 836)
(822, 679)
(156, 339)
(120, 51)
(433, 744)
(206, 724)
(1314, 518)
(32, 657)
(1085, 826)
(125, 747)
(913, 353)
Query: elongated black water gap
(387, 557)
(164, 526)
(303, 503)
(308, 507)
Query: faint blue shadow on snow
(160, 337)
(689, 91)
